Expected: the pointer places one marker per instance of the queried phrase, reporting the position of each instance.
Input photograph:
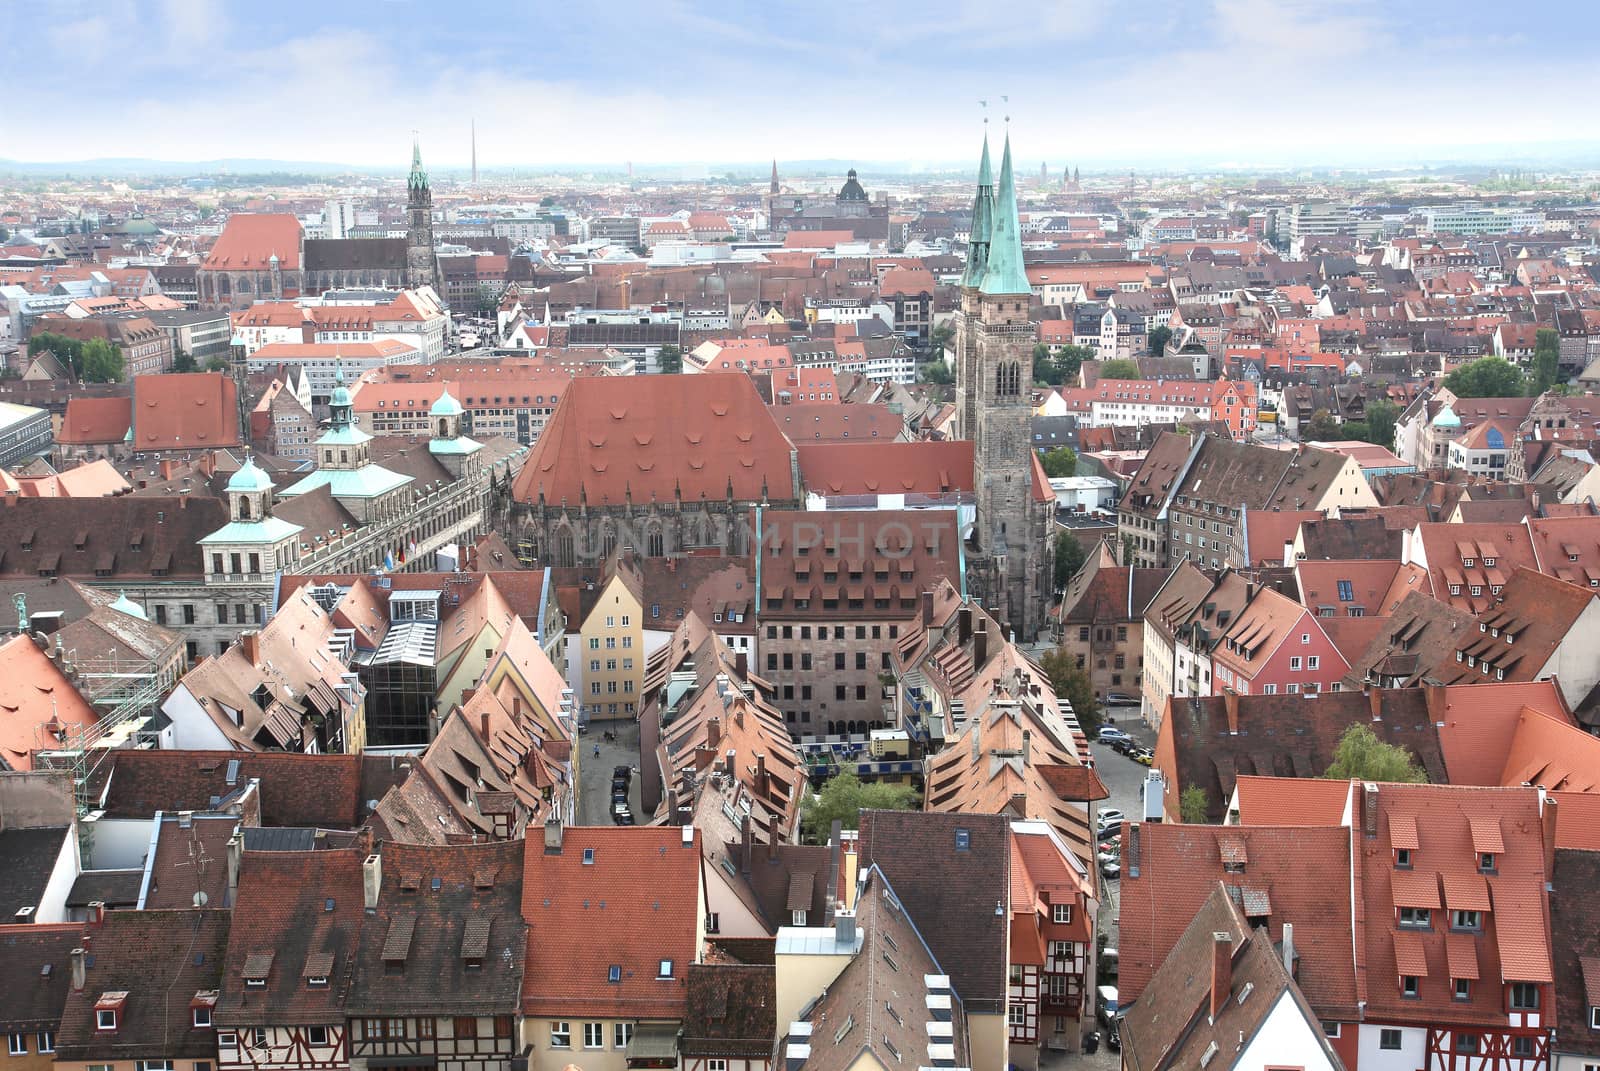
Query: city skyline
(673, 85)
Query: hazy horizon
(1262, 84)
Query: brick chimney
(1221, 971)
(713, 732)
(1369, 809)
(1231, 702)
(79, 972)
(250, 642)
(552, 835)
(980, 644)
(927, 609)
(1375, 702)
(371, 881)
(1547, 819)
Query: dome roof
(128, 606)
(1446, 418)
(249, 479)
(340, 398)
(851, 190)
(446, 406)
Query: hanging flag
(388, 560)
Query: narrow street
(595, 766)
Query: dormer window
(1408, 986)
(105, 1019)
(1402, 858)
(1467, 562)
(202, 1016)
(1416, 918)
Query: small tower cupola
(249, 493)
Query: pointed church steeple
(418, 179)
(982, 221)
(774, 188)
(1003, 274)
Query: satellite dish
(200, 899)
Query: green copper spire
(1003, 273)
(418, 179)
(982, 221)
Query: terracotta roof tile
(248, 241)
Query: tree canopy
(183, 361)
(1361, 754)
(1322, 426)
(1060, 461)
(1072, 684)
(844, 797)
(1070, 557)
(1121, 368)
(102, 362)
(935, 371)
(1156, 339)
(1194, 807)
(670, 359)
(1487, 377)
(1546, 360)
(1058, 366)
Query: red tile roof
(249, 241)
(633, 905)
(658, 437)
(95, 421)
(185, 411)
(35, 701)
(886, 468)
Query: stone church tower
(421, 267)
(1009, 553)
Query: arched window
(608, 539)
(444, 426)
(655, 545)
(563, 554)
(1008, 379)
(244, 508)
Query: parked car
(1105, 1003)
(1120, 699)
(624, 773)
(621, 815)
(1111, 871)
(1124, 745)
(1109, 816)
(1109, 733)
(1108, 964)
(1144, 756)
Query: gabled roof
(95, 421)
(248, 242)
(657, 438)
(634, 905)
(1575, 938)
(936, 879)
(730, 1011)
(38, 704)
(158, 961)
(35, 974)
(447, 935)
(184, 411)
(927, 467)
(1172, 1025)
(304, 911)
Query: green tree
(670, 359)
(939, 339)
(844, 797)
(1070, 557)
(1156, 340)
(216, 363)
(102, 362)
(69, 351)
(1487, 377)
(1072, 684)
(935, 371)
(183, 361)
(1194, 806)
(1119, 369)
(1130, 548)
(1546, 360)
(1322, 426)
(1380, 418)
(1044, 365)
(1061, 461)
(1361, 754)
(1069, 359)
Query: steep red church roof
(248, 242)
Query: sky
(1091, 83)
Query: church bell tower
(421, 267)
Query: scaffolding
(82, 749)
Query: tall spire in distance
(1003, 274)
(418, 179)
(982, 219)
(774, 187)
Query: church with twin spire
(1010, 553)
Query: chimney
(1547, 818)
(1288, 949)
(761, 773)
(746, 839)
(250, 642)
(1288, 554)
(713, 732)
(1231, 701)
(1221, 971)
(1027, 747)
(1369, 809)
(980, 644)
(483, 724)
(1375, 702)
(78, 972)
(235, 858)
(97, 913)
(371, 881)
(964, 624)
(552, 835)
(844, 927)
(927, 609)
(730, 764)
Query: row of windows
(611, 643)
(838, 660)
(861, 632)
(44, 1041)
